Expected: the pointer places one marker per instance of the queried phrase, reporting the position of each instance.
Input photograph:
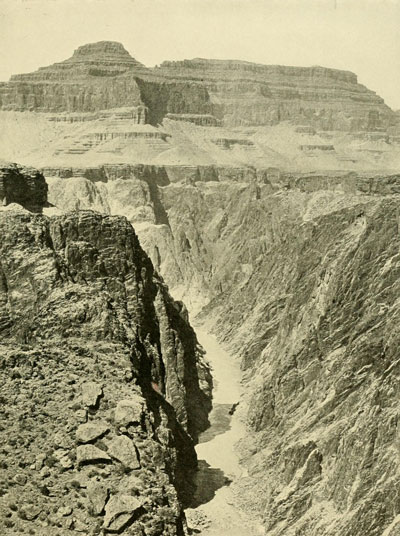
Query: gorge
(265, 201)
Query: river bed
(215, 512)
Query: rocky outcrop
(208, 92)
(86, 250)
(162, 175)
(103, 390)
(323, 355)
(24, 186)
(299, 272)
(306, 294)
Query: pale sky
(362, 36)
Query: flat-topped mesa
(245, 93)
(104, 75)
(111, 49)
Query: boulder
(91, 392)
(123, 449)
(97, 494)
(129, 411)
(91, 454)
(91, 430)
(120, 509)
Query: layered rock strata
(245, 93)
(208, 92)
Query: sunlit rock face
(208, 92)
(253, 94)
(94, 78)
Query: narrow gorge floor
(215, 511)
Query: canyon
(259, 204)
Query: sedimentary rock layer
(245, 93)
(208, 92)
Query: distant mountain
(103, 75)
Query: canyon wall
(234, 200)
(104, 389)
(297, 272)
(104, 76)
(251, 94)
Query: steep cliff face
(96, 77)
(104, 387)
(324, 405)
(103, 75)
(300, 275)
(250, 94)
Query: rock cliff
(96, 77)
(208, 92)
(104, 388)
(299, 272)
(245, 93)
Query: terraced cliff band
(103, 75)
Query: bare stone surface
(90, 454)
(128, 411)
(95, 333)
(97, 494)
(91, 392)
(92, 430)
(123, 449)
(119, 511)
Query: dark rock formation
(88, 331)
(103, 75)
(25, 186)
(85, 253)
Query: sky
(362, 36)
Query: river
(215, 512)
